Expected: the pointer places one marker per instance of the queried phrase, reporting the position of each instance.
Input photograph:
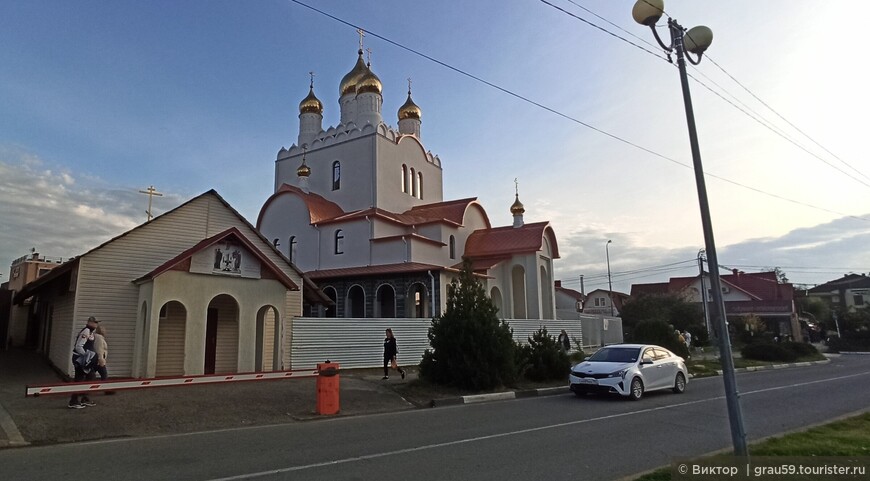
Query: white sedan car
(629, 370)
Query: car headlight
(620, 373)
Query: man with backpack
(84, 360)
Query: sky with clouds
(100, 100)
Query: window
(413, 181)
(404, 178)
(291, 250)
(859, 300)
(339, 242)
(336, 175)
(452, 247)
(42, 272)
(600, 302)
(420, 185)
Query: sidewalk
(146, 412)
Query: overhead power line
(563, 115)
(763, 124)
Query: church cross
(312, 78)
(369, 51)
(409, 85)
(516, 186)
(151, 191)
(362, 33)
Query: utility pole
(151, 192)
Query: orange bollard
(327, 388)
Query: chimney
(734, 271)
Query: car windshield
(616, 354)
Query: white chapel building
(359, 208)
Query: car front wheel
(636, 391)
(680, 384)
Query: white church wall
(410, 153)
(355, 244)
(383, 228)
(355, 156)
(427, 252)
(391, 251)
(286, 216)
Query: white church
(359, 208)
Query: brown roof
(205, 243)
(655, 288)
(510, 240)
(571, 292)
(404, 267)
(452, 211)
(319, 209)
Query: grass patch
(708, 367)
(849, 437)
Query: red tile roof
(650, 289)
(452, 211)
(510, 240)
(401, 268)
(319, 209)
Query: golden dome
(349, 82)
(311, 104)
(517, 207)
(368, 82)
(409, 110)
(303, 170)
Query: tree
(670, 309)
(471, 348)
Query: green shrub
(851, 341)
(544, 359)
(471, 348)
(577, 356)
(659, 333)
(768, 352)
(800, 349)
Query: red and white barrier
(84, 387)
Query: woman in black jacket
(390, 351)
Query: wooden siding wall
(64, 329)
(105, 287)
(268, 346)
(227, 352)
(170, 341)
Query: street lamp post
(609, 283)
(696, 41)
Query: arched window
(452, 247)
(336, 175)
(291, 249)
(413, 180)
(420, 185)
(330, 310)
(385, 301)
(404, 178)
(339, 242)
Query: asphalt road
(555, 437)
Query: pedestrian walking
(564, 341)
(391, 350)
(84, 360)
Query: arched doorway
(171, 328)
(546, 295)
(355, 303)
(332, 310)
(222, 336)
(267, 354)
(417, 301)
(495, 296)
(385, 305)
(518, 291)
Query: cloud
(59, 213)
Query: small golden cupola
(410, 110)
(349, 82)
(311, 104)
(517, 208)
(368, 81)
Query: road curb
(776, 366)
(498, 396)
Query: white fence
(359, 343)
